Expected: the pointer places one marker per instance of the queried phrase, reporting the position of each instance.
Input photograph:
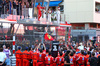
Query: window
(98, 25)
(93, 25)
(61, 8)
(97, 7)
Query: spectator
(7, 6)
(4, 5)
(7, 52)
(31, 53)
(96, 9)
(20, 3)
(17, 5)
(14, 8)
(10, 5)
(2, 57)
(93, 60)
(27, 4)
(98, 61)
(96, 52)
(67, 59)
(4, 47)
(24, 12)
(0, 7)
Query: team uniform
(87, 59)
(34, 57)
(31, 53)
(46, 54)
(18, 58)
(40, 59)
(81, 60)
(75, 63)
(76, 57)
(26, 58)
(30, 57)
(49, 60)
(59, 61)
(62, 55)
(39, 11)
(72, 60)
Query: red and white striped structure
(13, 45)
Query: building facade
(84, 16)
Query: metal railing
(25, 13)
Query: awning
(52, 3)
(65, 25)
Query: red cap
(58, 7)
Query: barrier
(13, 61)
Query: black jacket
(98, 61)
(14, 5)
(93, 61)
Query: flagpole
(42, 38)
(33, 8)
(46, 20)
(44, 28)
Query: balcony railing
(77, 28)
(26, 13)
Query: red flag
(48, 37)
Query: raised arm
(39, 45)
(44, 46)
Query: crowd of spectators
(90, 52)
(9, 7)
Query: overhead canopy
(52, 3)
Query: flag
(48, 37)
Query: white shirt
(2, 56)
(58, 12)
(81, 47)
(88, 48)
